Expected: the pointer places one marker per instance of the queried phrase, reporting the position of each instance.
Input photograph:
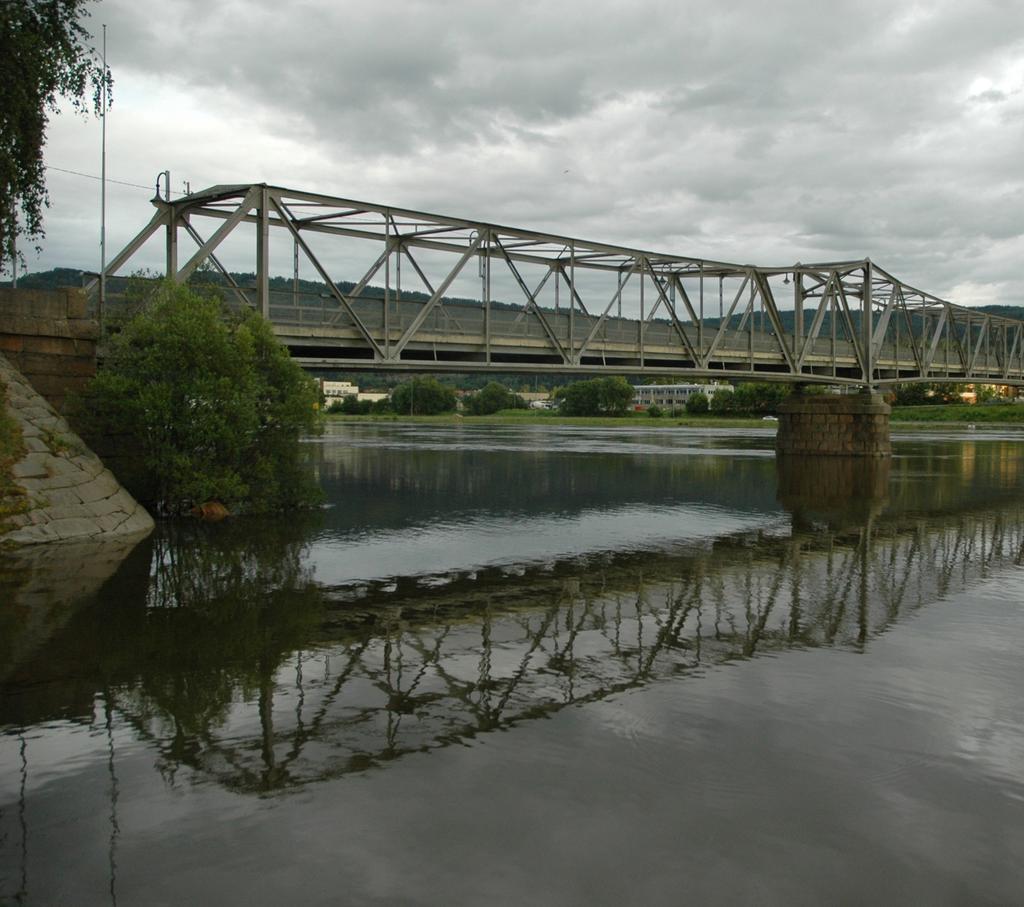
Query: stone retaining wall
(50, 340)
(834, 425)
(71, 495)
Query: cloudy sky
(743, 131)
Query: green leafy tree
(350, 406)
(985, 393)
(209, 409)
(946, 392)
(598, 396)
(911, 394)
(758, 397)
(723, 402)
(491, 398)
(423, 397)
(927, 394)
(44, 56)
(697, 403)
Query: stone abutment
(48, 337)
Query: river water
(535, 665)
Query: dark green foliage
(212, 409)
(947, 392)
(351, 406)
(422, 397)
(911, 394)
(960, 412)
(655, 411)
(923, 393)
(596, 397)
(752, 398)
(760, 398)
(44, 56)
(491, 398)
(722, 402)
(697, 404)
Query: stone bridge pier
(848, 425)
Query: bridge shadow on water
(222, 650)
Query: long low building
(670, 395)
(339, 390)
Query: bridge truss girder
(852, 321)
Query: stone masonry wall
(71, 495)
(833, 425)
(49, 339)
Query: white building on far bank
(673, 395)
(339, 390)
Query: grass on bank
(961, 412)
(540, 417)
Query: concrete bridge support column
(849, 425)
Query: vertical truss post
(295, 274)
(867, 327)
(572, 302)
(487, 296)
(700, 321)
(263, 253)
(172, 241)
(833, 313)
(750, 324)
(642, 324)
(386, 314)
(798, 309)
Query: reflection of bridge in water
(221, 653)
(579, 307)
(395, 669)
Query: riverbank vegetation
(12, 448)
(202, 406)
(637, 420)
(961, 412)
(596, 397)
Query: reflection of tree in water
(226, 604)
(269, 686)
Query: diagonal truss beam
(160, 219)
(532, 303)
(250, 201)
(216, 262)
(425, 310)
(603, 316)
(331, 285)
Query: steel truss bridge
(440, 293)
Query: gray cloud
(791, 132)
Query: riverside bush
(208, 405)
(697, 404)
(597, 397)
(423, 397)
(492, 398)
